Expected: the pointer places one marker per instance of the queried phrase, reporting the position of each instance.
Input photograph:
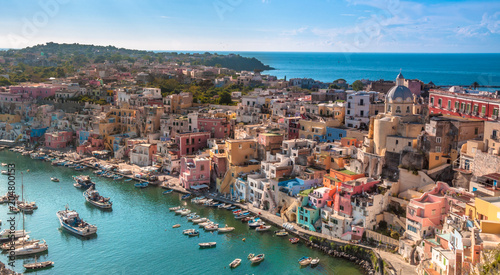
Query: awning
(201, 186)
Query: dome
(401, 92)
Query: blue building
(333, 134)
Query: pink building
(191, 142)
(58, 140)
(93, 143)
(218, 127)
(195, 173)
(342, 200)
(35, 91)
(319, 197)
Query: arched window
(398, 110)
(407, 109)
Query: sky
(429, 26)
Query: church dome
(399, 94)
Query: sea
(441, 68)
(137, 237)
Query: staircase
(272, 207)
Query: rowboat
(174, 208)
(199, 220)
(54, 179)
(207, 222)
(187, 231)
(207, 245)
(168, 191)
(294, 240)
(257, 259)
(193, 233)
(141, 184)
(185, 196)
(212, 227)
(263, 228)
(38, 265)
(194, 217)
(281, 233)
(315, 261)
(225, 229)
(235, 263)
(185, 212)
(305, 261)
(176, 226)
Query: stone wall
(381, 238)
(485, 163)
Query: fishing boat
(207, 245)
(31, 249)
(305, 261)
(187, 231)
(315, 261)
(231, 207)
(174, 208)
(200, 220)
(211, 227)
(190, 218)
(256, 224)
(185, 197)
(241, 215)
(222, 205)
(185, 212)
(6, 234)
(83, 181)
(281, 233)
(38, 265)
(263, 228)
(70, 220)
(143, 184)
(200, 201)
(236, 211)
(227, 206)
(167, 191)
(193, 233)
(128, 179)
(117, 177)
(93, 197)
(54, 179)
(246, 219)
(257, 259)
(294, 240)
(225, 229)
(235, 263)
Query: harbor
(137, 235)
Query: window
(398, 110)
(475, 108)
(412, 229)
(456, 104)
(432, 101)
(438, 149)
(361, 113)
(409, 143)
(483, 110)
(202, 167)
(440, 102)
(476, 131)
(495, 112)
(449, 104)
(348, 112)
(433, 211)
(408, 109)
(397, 141)
(342, 208)
(438, 140)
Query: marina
(142, 219)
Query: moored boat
(31, 249)
(193, 233)
(305, 261)
(225, 229)
(176, 226)
(251, 255)
(263, 228)
(294, 240)
(235, 263)
(199, 220)
(143, 184)
(6, 234)
(257, 259)
(174, 208)
(38, 265)
(185, 197)
(185, 212)
(211, 227)
(54, 179)
(315, 261)
(281, 233)
(83, 181)
(70, 220)
(168, 191)
(93, 197)
(207, 245)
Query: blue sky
(257, 25)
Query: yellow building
(240, 151)
(310, 129)
(10, 118)
(485, 208)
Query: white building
(140, 155)
(357, 109)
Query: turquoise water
(137, 237)
(442, 69)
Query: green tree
(225, 98)
(4, 81)
(357, 85)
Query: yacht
(70, 220)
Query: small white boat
(225, 229)
(315, 261)
(305, 261)
(187, 231)
(5, 172)
(207, 245)
(185, 212)
(38, 265)
(4, 164)
(200, 220)
(178, 211)
(31, 249)
(6, 234)
(235, 263)
(257, 259)
(54, 179)
(77, 185)
(203, 224)
(174, 208)
(263, 228)
(191, 217)
(211, 227)
(176, 226)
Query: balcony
(495, 138)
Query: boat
(14, 209)
(281, 233)
(77, 185)
(80, 168)
(225, 229)
(207, 222)
(193, 233)
(176, 226)
(235, 263)
(31, 249)
(6, 234)
(178, 211)
(70, 220)
(26, 207)
(305, 261)
(187, 231)
(199, 220)
(207, 245)
(54, 179)
(257, 259)
(211, 227)
(263, 228)
(38, 265)
(93, 197)
(236, 210)
(185, 212)
(241, 215)
(4, 164)
(17, 243)
(5, 172)
(83, 181)
(246, 219)
(227, 206)
(117, 177)
(174, 208)
(143, 184)
(168, 191)
(315, 261)
(256, 224)
(251, 255)
(190, 218)
(294, 240)
(128, 179)
(185, 196)
(231, 207)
